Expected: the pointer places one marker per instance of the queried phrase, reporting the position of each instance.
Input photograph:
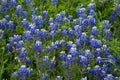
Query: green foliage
(104, 8)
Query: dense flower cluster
(50, 48)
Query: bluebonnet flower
(58, 18)
(94, 31)
(106, 24)
(99, 60)
(3, 24)
(7, 17)
(62, 55)
(11, 25)
(92, 37)
(28, 60)
(64, 32)
(109, 77)
(97, 52)
(78, 28)
(19, 10)
(74, 22)
(32, 28)
(55, 45)
(81, 12)
(45, 60)
(20, 44)
(48, 49)
(83, 60)
(37, 46)
(115, 13)
(78, 31)
(91, 6)
(45, 14)
(63, 14)
(84, 38)
(25, 24)
(89, 70)
(91, 20)
(27, 35)
(97, 69)
(52, 33)
(62, 43)
(17, 38)
(54, 2)
(70, 17)
(107, 34)
(88, 54)
(95, 43)
(80, 20)
(37, 33)
(25, 14)
(71, 32)
(23, 53)
(65, 63)
(39, 21)
(84, 16)
(52, 63)
(11, 40)
(69, 44)
(79, 43)
(23, 72)
(69, 58)
(92, 13)
(8, 48)
(13, 2)
(99, 44)
(106, 50)
(53, 26)
(73, 51)
(51, 20)
(15, 44)
(59, 78)
(44, 33)
(85, 23)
